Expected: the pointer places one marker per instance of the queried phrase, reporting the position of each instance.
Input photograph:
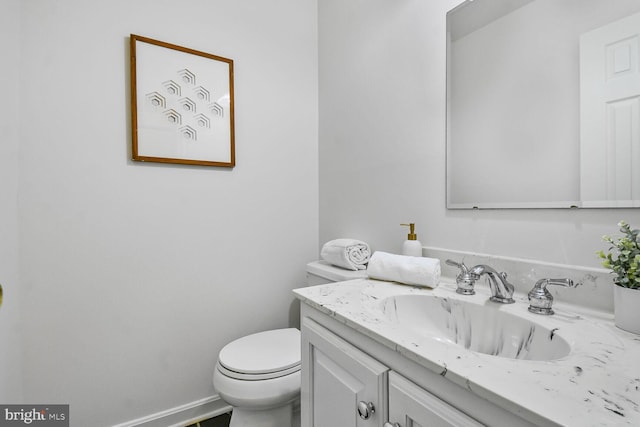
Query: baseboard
(182, 415)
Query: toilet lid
(268, 352)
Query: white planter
(626, 307)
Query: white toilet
(259, 375)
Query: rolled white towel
(346, 253)
(410, 270)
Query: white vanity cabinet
(343, 386)
(345, 372)
(339, 382)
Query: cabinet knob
(365, 409)
(388, 424)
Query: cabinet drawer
(413, 406)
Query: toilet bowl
(259, 374)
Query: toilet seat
(261, 356)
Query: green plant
(623, 258)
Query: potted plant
(623, 259)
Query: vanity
(383, 354)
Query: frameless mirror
(543, 104)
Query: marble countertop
(597, 384)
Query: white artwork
(182, 105)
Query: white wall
(135, 275)
(10, 336)
(382, 143)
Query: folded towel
(411, 270)
(346, 253)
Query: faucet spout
(501, 289)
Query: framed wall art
(181, 105)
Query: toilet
(259, 374)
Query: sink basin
(480, 327)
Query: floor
(219, 421)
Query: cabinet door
(336, 379)
(413, 406)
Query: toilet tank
(321, 272)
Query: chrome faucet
(464, 280)
(501, 289)
(541, 300)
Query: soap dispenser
(412, 245)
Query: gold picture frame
(182, 106)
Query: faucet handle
(465, 280)
(540, 299)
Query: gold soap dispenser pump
(412, 245)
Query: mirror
(543, 104)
